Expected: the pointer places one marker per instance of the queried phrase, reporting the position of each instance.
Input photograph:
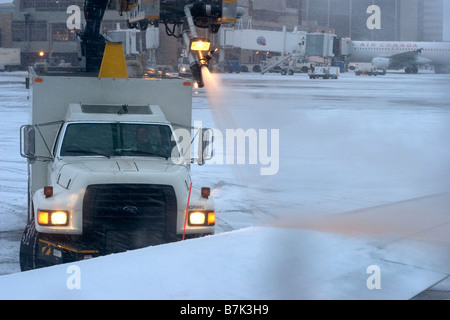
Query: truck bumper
(55, 252)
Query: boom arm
(140, 13)
(92, 42)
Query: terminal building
(400, 20)
(38, 27)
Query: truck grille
(120, 217)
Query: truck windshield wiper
(88, 153)
(148, 153)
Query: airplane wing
(403, 59)
(410, 60)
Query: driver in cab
(147, 140)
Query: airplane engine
(381, 63)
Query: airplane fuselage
(398, 54)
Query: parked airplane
(399, 55)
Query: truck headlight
(53, 218)
(200, 44)
(199, 218)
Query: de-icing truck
(109, 166)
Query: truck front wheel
(28, 248)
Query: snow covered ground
(363, 181)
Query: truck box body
(52, 95)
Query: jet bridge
(290, 44)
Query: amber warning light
(48, 191)
(206, 192)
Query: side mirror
(28, 142)
(205, 146)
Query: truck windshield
(117, 139)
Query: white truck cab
(106, 170)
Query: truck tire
(28, 254)
(28, 247)
(256, 68)
(291, 72)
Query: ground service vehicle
(109, 161)
(368, 69)
(324, 72)
(9, 59)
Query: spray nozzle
(204, 60)
(196, 69)
(210, 54)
